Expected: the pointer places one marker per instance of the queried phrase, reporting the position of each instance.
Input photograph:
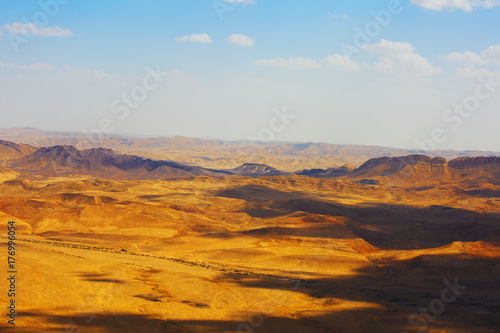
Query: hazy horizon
(144, 136)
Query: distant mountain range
(226, 155)
(97, 162)
(66, 160)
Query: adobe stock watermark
(281, 119)
(456, 115)
(364, 36)
(277, 124)
(222, 7)
(437, 306)
(123, 105)
(48, 10)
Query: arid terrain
(122, 243)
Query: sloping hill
(99, 162)
(7, 174)
(11, 150)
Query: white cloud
(465, 5)
(245, 2)
(30, 28)
(470, 59)
(395, 58)
(336, 62)
(240, 40)
(408, 64)
(388, 47)
(492, 54)
(473, 61)
(399, 58)
(32, 67)
(340, 62)
(200, 38)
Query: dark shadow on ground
(98, 278)
(383, 225)
(484, 193)
(365, 319)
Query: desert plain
(411, 248)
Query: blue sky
(392, 73)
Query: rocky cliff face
(386, 166)
(328, 173)
(400, 162)
(420, 168)
(255, 169)
(474, 162)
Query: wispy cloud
(465, 5)
(475, 74)
(32, 67)
(388, 47)
(335, 62)
(200, 38)
(344, 16)
(291, 63)
(240, 40)
(20, 28)
(80, 72)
